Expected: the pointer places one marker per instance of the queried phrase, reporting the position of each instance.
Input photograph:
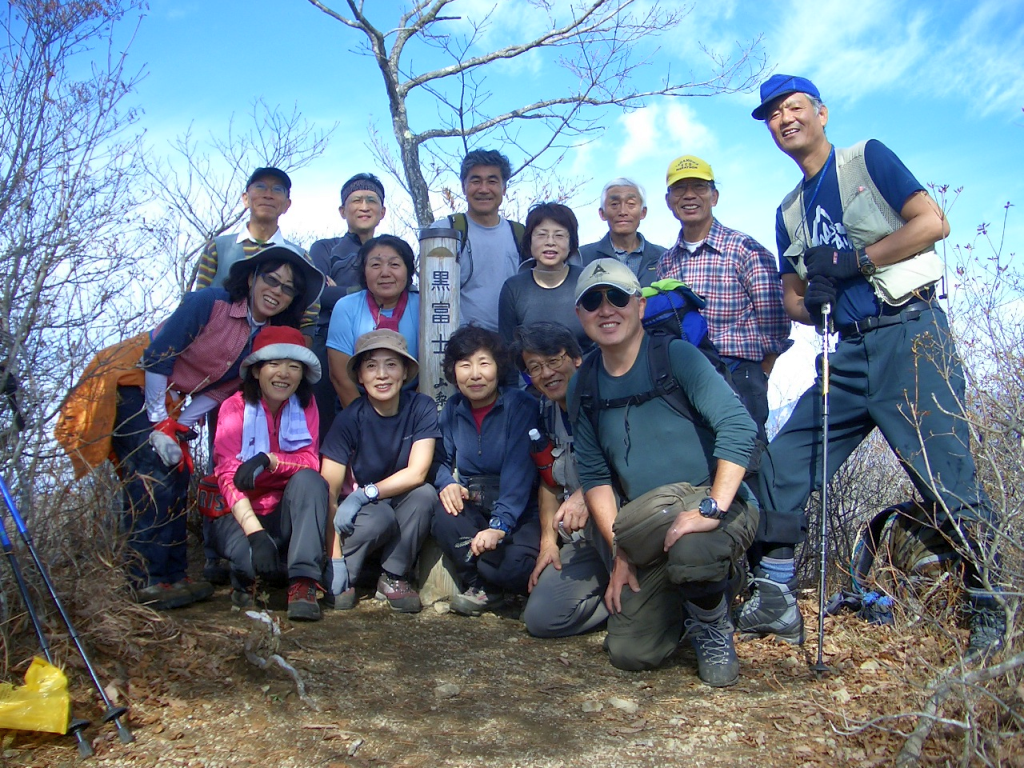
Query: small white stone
(630, 707)
(447, 691)
(442, 608)
(592, 706)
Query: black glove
(245, 475)
(264, 554)
(820, 291)
(827, 261)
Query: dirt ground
(437, 689)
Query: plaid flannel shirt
(740, 281)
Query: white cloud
(667, 127)
(974, 52)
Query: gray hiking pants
(570, 601)
(297, 527)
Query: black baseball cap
(277, 173)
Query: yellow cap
(688, 167)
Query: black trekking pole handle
(820, 667)
(75, 725)
(112, 714)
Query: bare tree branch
(597, 42)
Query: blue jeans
(155, 497)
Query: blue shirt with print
(856, 298)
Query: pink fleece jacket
(269, 485)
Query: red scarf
(382, 321)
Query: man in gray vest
(267, 197)
(623, 207)
(857, 236)
(489, 243)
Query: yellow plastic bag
(42, 704)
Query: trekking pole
(826, 311)
(112, 714)
(77, 725)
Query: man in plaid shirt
(737, 277)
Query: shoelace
(712, 638)
(302, 589)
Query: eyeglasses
(273, 282)
(558, 235)
(680, 188)
(362, 200)
(552, 364)
(262, 186)
(591, 300)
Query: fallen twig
(267, 635)
(910, 754)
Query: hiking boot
(163, 596)
(200, 590)
(215, 572)
(399, 593)
(988, 627)
(712, 641)
(241, 598)
(302, 604)
(474, 601)
(771, 610)
(347, 600)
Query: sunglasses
(617, 297)
(273, 282)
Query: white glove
(166, 448)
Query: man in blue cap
(857, 235)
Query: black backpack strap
(585, 398)
(659, 363)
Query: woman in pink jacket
(267, 462)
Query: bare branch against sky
(602, 44)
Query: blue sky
(941, 83)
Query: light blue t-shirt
(351, 319)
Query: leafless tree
(69, 160)
(198, 186)
(598, 43)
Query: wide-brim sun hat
(383, 338)
(295, 257)
(282, 342)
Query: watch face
(371, 492)
(708, 507)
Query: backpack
(460, 224)
(910, 545)
(902, 552)
(673, 312)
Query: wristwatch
(708, 508)
(867, 266)
(371, 491)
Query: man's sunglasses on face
(591, 300)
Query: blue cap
(781, 85)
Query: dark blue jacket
(603, 249)
(501, 448)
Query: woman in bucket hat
(130, 405)
(384, 441)
(266, 464)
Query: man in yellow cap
(738, 278)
